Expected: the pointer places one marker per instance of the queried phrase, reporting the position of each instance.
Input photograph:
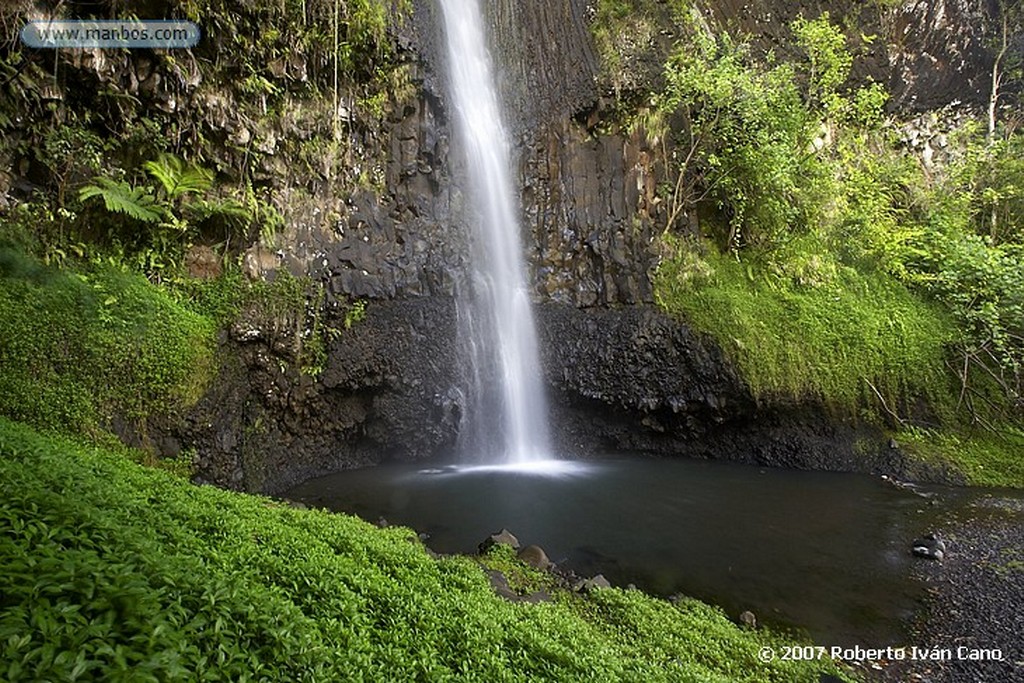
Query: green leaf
(178, 178)
(120, 197)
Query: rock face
(386, 393)
(622, 375)
(590, 206)
(928, 53)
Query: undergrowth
(81, 347)
(117, 572)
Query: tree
(742, 140)
(1007, 64)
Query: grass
(804, 327)
(811, 328)
(78, 348)
(113, 571)
(986, 458)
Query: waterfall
(506, 418)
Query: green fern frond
(221, 208)
(178, 178)
(120, 197)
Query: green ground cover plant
(822, 332)
(986, 457)
(79, 348)
(118, 572)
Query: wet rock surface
(385, 393)
(590, 205)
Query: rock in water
(748, 619)
(535, 556)
(503, 537)
(930, 547)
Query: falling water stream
(506, 416)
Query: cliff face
(928, 53)
(623, 375)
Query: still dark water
(822, 552)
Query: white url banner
(92, 33)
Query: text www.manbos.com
(92, 33)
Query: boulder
(503, 537)
(535, 556)
(588, 585)
(929, 547)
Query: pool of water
(822, 552)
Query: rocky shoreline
(973, 617)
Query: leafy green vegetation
(742, 144)
(521, 577)
(118, 572)
(833, 264)
(151, 225)
(268, 81)
(79, 348)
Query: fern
(178, 178)
(221, 208)
(120, 197)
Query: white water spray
(508, 413)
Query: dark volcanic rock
(503, 537)
(535, 556)
(633, 379)
(590, 204)
(930, 547)
(386, 393)
(928, 53)
(589, 585)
